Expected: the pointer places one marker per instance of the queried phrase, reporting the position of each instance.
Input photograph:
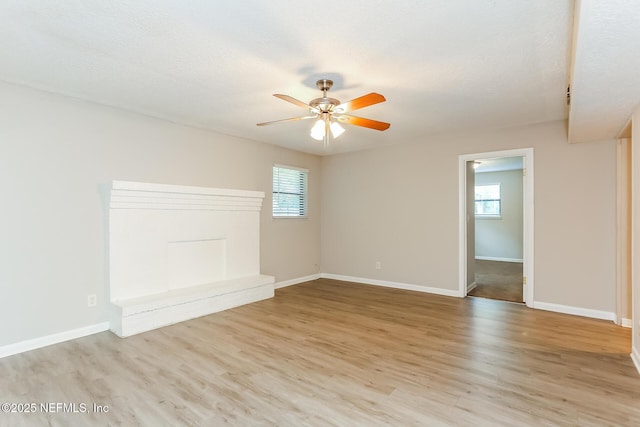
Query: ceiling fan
(330, 112)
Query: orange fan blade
(293, 119)
(359, 121)
(363, 101)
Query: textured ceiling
(605, 83)
(444, 66)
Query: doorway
(499, 234)
(501, 260)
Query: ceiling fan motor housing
(324, 104)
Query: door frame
(528, 217)
(624, 301)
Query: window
(488, 202)
(289, 191)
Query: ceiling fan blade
(293, 101)
(359, 121)
(363, 101)
(293, 119)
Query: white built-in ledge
(179, 252)
(135, 315)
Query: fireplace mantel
(178, 252)
(139, 195)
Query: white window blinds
(289, 191)
(488, 200)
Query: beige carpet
(498, 280)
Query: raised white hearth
(179, 252)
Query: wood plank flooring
(329, 353)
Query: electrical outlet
(378, 265)
(92, 300)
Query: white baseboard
(576, 311)
(296, 281)
(635, 357)
(28, 345)
(33, 344)
(471, 286)
(492, 258)
(396, 285)
(626, 323)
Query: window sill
(488, 216)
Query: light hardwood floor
(329, 353)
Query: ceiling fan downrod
(324, 85)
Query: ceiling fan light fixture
(336, 129)
(317, 131)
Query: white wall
(57, 153)
(399, 205)
(502, 238)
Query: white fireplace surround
(179, 252)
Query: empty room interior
(336, 213)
